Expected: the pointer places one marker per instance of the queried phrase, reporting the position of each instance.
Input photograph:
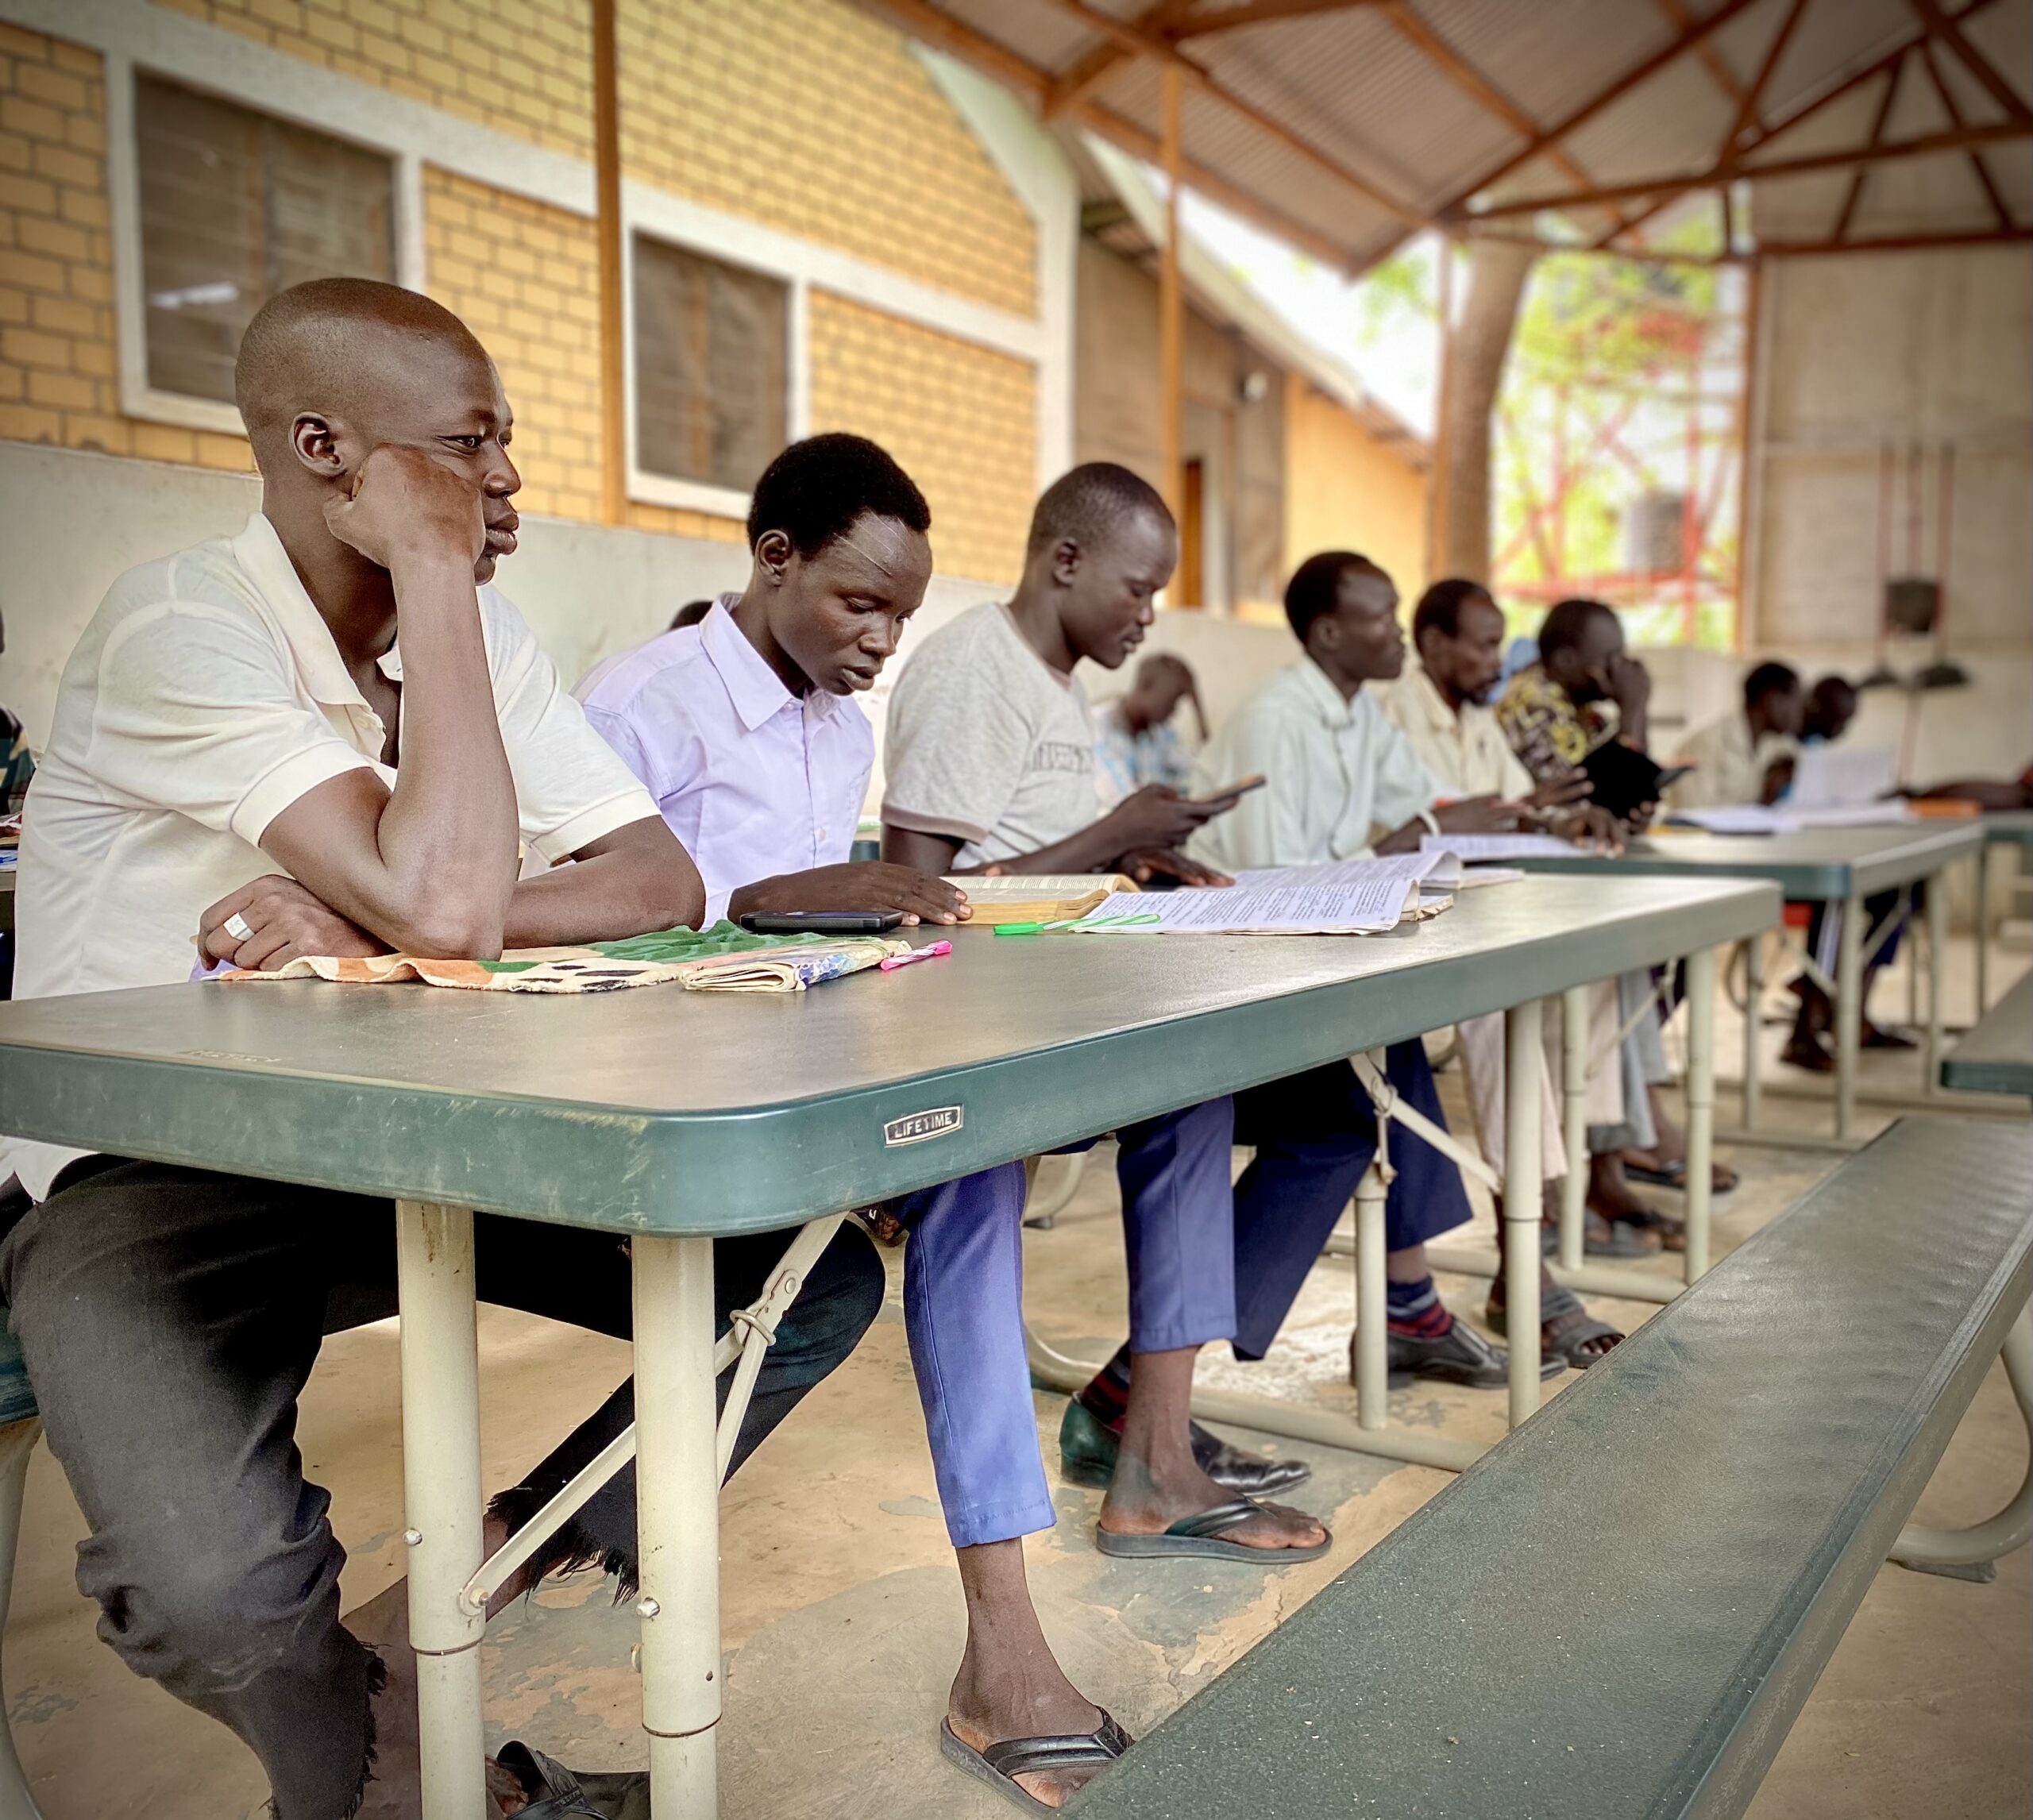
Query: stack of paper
(1348, 909)
(1469, 848)
(1756, 818)
(1047, 897)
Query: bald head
(349, 347)
(331, 370)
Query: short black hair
(1833, 688)
(1770, 679)
(1568, 624)
(1439, 609)
(690, 614)
(1314, 584)
(815, 491)
(1084, 504)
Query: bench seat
(1996, 1056)
(1618, 1611)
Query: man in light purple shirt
(746, 733)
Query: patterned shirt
(1550, 733)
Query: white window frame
(213, 59)
(138, 398)
(674, 228)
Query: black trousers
(170, 1318)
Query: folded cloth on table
(723, 959)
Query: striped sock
(1415, 1309)
(1106, 1396)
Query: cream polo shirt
(1338, 771)
(1467, 752)
(205, 696)
(1729, 768)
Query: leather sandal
(1200, 1537)
(1088, 1447)
(1001, 1765)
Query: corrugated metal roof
(1368, 106)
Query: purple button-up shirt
(753, 780)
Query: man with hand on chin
(238, 748)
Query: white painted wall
(1856, 352)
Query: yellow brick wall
(805, 115)
(523, 275)
(58, 365)
(526, 278)
(961, 418)
(1345, 489)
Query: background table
(2002, 828)
(676, 1117)
(1823, 865)
(1996, 1057)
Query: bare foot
(1146, 1499)
(994, 1707)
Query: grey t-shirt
(988, 744)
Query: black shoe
(1087, 1450)
(556, 1793)
(1460, 1355)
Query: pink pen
(930, 954)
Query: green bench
(1617, 1613)
(1995, 1056)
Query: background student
(1137, 739)
(1344, 781)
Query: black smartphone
(1673, 774)
(820, 921)
(1237, 789)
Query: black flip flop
(1556, 1304)
(1200, 1537)
(1001, 1765)
(1674, 1175)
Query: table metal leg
(1937, 921)
(1701, 970)
(1849, 1009)
(1983, 934)
(1753, 1029)
(441, 1497)
(1523, 1191)
(678, 1517)
(1574, 1123)
(1372, 1316)
(1904, 914)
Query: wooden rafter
(1901, 243)
(1139, 41)
(1746, 119)
(1978, 169)
(1848, 212)
(1949, 32)
(1096, 66)
(1685, 40)
(1711, 59)
(1262, 12)
(930, 25)
(1928, 144)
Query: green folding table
(1841, 866)
(671, 1118)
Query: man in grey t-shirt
(991, 759)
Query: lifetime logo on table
(919, 1127)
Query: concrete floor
(842, 1612)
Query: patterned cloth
(1125, 761)
(723, 959)
(1549, 732)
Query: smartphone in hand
(1240, 788)
(820, 921)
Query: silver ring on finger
(236, 926)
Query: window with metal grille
(713, 354)
(235, 207)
